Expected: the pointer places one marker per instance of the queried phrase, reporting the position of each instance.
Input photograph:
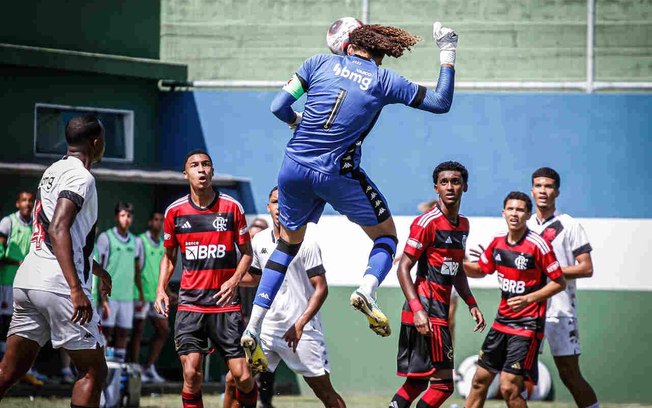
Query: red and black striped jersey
(438, 244)
(207, 238)
(522, 268)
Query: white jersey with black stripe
(296, 290)
(568, 240)
(69, 179)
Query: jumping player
(573, 250)
(52, 285)
(345, 95)
(437, 241)
(206, 226)
(523, 260)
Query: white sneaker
(253, 353)
(152, 376)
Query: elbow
(589, 272)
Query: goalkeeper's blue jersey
(345, 95)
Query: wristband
(415, 304)
(470, 301)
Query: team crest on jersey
(521, 263)
(220, 224)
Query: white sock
(120, 354)
(596, 405)
(256, 320)
(369, 284)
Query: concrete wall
(499, 40)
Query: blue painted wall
(601, 144)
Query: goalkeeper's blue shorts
(303, 193)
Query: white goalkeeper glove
(446, 40)
(296, 122)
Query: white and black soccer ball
(337, 37)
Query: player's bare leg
(246, 392)
(193, 376)
(229, 392)
(91, 375)
(18, 359)
(323, 389)
(380, 262)
(511, 386)
(136, 339)
(479, 388)
(571, 376)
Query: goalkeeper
(345, 95)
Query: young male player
(151, 242)
(294, 316)
(118, 252)
(523, 261)
(345, 95)
(206, 226)
(573, 251)
(437, 241)
(15, 234)
(52, 285)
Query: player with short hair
(436, 242)
(118, 252)
(523, 261)
(52, 285)
(151, 242)
(257, 225)
(345, 95)
(294, 316)
(573, 251)
(15, 235)
(208, 227)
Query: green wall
(499, 40)
(24, 87)
(120, 27)
(613, 326)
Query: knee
(480, 383)
(569, 375)
(192, 377)
(327, 395)
(8, 375)
(509, 390)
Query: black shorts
(192, 330)
(510, 353)
(420, 356)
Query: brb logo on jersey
(449, 267)
(511, 286)
(360, 76)
(196, 252)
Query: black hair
(123, 206)
(272, 191)
(194, 152)
(548, 173)
(153, 213)
(450, 166)
(81, 129)
(25, 192)
(257, 223)
(517, 195)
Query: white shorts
(563, 336)
(147, 310)
(6, 300)
(121, 314)
(310, 359)
(41, 316)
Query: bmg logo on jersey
(195, 252)
(361, 77)
(511, 286)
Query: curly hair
(383, 40)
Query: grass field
(353, 401)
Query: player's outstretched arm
(421, 321)
(166, 269)
(552, 288)
(293, 334)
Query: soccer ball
(337, 37)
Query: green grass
(353, 401)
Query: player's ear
(185, 175)
(466, 187)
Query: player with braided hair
(345, 95)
